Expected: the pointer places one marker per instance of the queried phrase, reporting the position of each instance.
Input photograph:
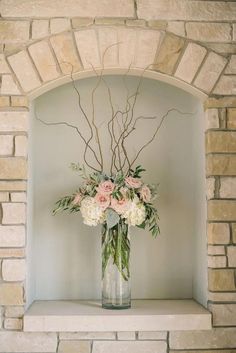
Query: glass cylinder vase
(116, 289)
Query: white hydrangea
(91, 212)
(135, 215)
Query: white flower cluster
(135, 215)
(91, 212)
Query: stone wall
(187, 42)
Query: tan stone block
(4, 69)
(12, 185)
(10, 294)
(231, 118)
(220, 141)
(18, 197)
(216, 261)
(107, 37)
(231, 67)
(168, 53)
(231, 252)
(220, 164)
(40, 29)
(152, 335)
(85, 40)
(223, 314)
(222, 297)
(226, 85)
(210, 188)
(14, 311)
(19, 101)
(21, 146)
(209, 32)
(24, 71)
(13, 324)
(4, 196)
(65, 51)
(212, 119)
(6, 145)
(222, 48)
(14, 31)
(228, 188)
(9, 86)
(147, 45)
(126, 336)
(129, 347)
(218, 233)
(220, 102)
(44, 61)
(215, 250)
(14, 213)
(221, 280)
(81, 22)
(109, 21)
(190, 62)
(58, 25)
(87, 336)
(234, 232)
(158, 24)
(127, 47)
(74, 347)
(13, 168)
(234, 32)
(12, 48)
(176, 27)
(13, 121)
(135, 23)
(33, 342)
(12, 253)
(208, 339)
(210, 72)
(13, 270)
(4, 101)
(221, 210)
(12, 236)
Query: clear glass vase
(116, 289)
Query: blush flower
(103, 200)
(120, 206)
(132, 182)
(145, 193)
(77, 199)
(106, 187)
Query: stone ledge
(145, 315)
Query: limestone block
(231, 118)
(18, 197)
(58, 25)
(231, 67)
(222, 297)
(12, 236)
(13, 270)
(9, 86)
(221, 210)
(24, 71)
(107, 38)
(81, 22)
(14, 31)
(158, 24)
(87, 336)
(147, 45)
(223, 314)
(218, 233)
(220, 164)
(176, 27)
(210, 188)
(4, 69)
(212, 118)
(13, 168)
(44, 61)
(221, 280)
(135, 23)
(228, 188)
(11, 252)
(216, 261)
(10, 294)
(74, 347)
(18, 342)
(129, 347)
(226, 85)
(231, 251)
(234, 232)
(40, 29)
(126, 336)
(21, 146)
(152, 335)
(190, 62)
(215, 250)
(127, 47)
(14, 311)
(220, 141)
(85, 40)
(234, 32)
(13, 324)
(4, 196)
(14, 213)
(12, 185)
(19, 101)
(209, 32)
(210, 72)
(220, 102)
(168, 53)
(6, 145)
(4, 101)
(63, 46)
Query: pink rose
(106, 187)
(103, 200)
(145, 193)
(120, 206)
(77, 199)
(133, 182)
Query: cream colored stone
(228, 188)
(135, 23)
(14, 311)
(85, 40)
(222, 48)
(6, 145)
(220, 102)
(220, 164)
(152, 335)
(87, 336)
(210, 72)
(12, 253)
(231, 118)
(107, 38)
(176, 27)
(18, 197)
(218, 233)
(74, 347)
(9, 86)
(58, 25)
(221, 210)
(231, 67)
(158, 24)
(222, 297)
(4, 101)
(4, 69)
(221, 141)
(18, 342)
(14, 213)
(215, 250)
(4, 196)
(168, 54)
(210, 188)
(190, 62)
(216, 261)
(129, 347)
(13, 270)
(209, 339)
(21, 146)
(12, 185)
(226, 85)
(12, 236)
(109, 21)
(209, 32)
(10, 294)
(147, 45)
(13, 168)
(234, 232)
(12, 48)
(19, 101)
(44, 61)
(234, 31)
(127, 47)
(231, 252)
(212, 119)
(81, 22)
(221, 280)
(64, 48)
(40, 29)
(223, 314)
(14, 31)
(13, 324)
(125, 336)
(24, 71)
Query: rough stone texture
(14, 31)
(222, 297)
(19, 101)
(4, 196)
(176, 27)
(13, 270)
(215, 338)
(14, 311)
(210, 188)
(158, 24)
(13, 324)
(218, 233)
(220, 102)
(21, 146)
(24, 71)
(65, 51)
(18, 342)
(215, 250)
(12, 185)
(11, 252)
(13, 121)
(126, 336)
(228, 188)
(58, 25)
(234, 232)
(44, 61)
(220, 210)
(210, 72)
(220, 141)
(12, 236)
(216, 261)
(168, 54)
(231, 118)
(127, 48)
(4, 101)
(6, 145)
(221, 280)
(190, 62)
(4, 69)
(152, 335)
(226, 85)
(13, 168)
(10, 294)
(86, 40)
(209, 32)
(74, 347)
(135, 23)
(18, 197)
(87, 336)
(9, 86)
(67, 8)
(231, 251)
(223, 314)
(231, 67)
(129, 347)
(40, 29)
(81, 22)
(220, 164)
(14, 213)
(107, 37)
(147, 44)
(212, 119)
